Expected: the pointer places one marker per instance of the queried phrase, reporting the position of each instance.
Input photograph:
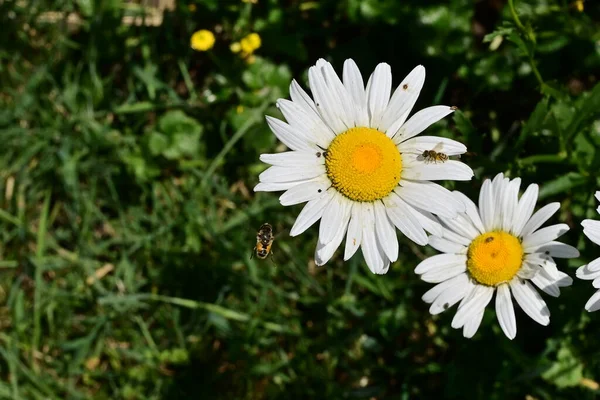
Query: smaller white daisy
(591, 271)
(496, 247)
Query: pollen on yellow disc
(494, 258)
(363, 164)
(202, 40)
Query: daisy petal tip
(420, 69)
(468, 334)
(319, 262)
(321, 62)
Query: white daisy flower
(591, 271)
(496, 247)
(356, 161)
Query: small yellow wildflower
(251, 59)
(579, 5)
(250, 43)
(202, 40)
(239, 109)
(235, 47)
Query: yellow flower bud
(235, 47)
(250, 43)
(202, 40)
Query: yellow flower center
(494, 258)
(363, 164)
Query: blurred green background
(127, 216)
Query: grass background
(127, 216)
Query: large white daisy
(496, 247)
(356, 161)
(591, 271)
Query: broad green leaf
(561, 184)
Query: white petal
(530, 301)
(591, 229)
(461, 225)
(506, 312)
(440, 261)
(376, 260)
(471, 211)
(446, 246)
(550, 267)
(437, 275)
(294, 159)
(286, 174)
(528, 270)
(542, 215)
(487, 205)
(399, 213)
(305, 191)
(378, 93)
(593, 304)
(279, 186)
(386, 234)
(589, 271)
(421, 121)
(345, 105)
(428, 221)
(324, 252)
(312, 127)
(471, 326)
(324, 99)
(440, 144)
(290, 136)
(334, 216)
(434, 292)
(555, 249)
(545, 282)
(431, 197)
(472, 305)
(452, 295)
(594, 265)
(543, 236)
(597, 195)
(563, 280)
(456, 238)
(353, 82)
(510, 201)
(354, 237)
(403, 100)
(428, 171)
(525, 208)
(303, 100)
(500, 189)
(312, 211)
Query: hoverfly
(264, 241)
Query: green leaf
(157, 143)
(587, 111)
(466, 128)
(141, 106)
(534, 123)
(566, 371)
(562, 184)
